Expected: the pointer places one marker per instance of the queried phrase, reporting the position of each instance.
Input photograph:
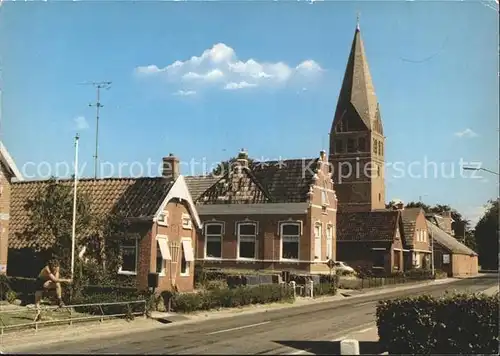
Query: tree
(225, 166)
(50, 224)
(50, 215)
(486, 234)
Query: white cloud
(240, 85)
(467, 133)
(474, 213)
(185, 92)
(81, 123)
(220, 66)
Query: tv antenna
(98, 105)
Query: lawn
(24, 317)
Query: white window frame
(318, 237)
(329, 241)
(282, 238)
(416, 260)
(164, 221)
(163, 272)
(205, 228)
(188, 263)
(131, 273)
(424, 234)
(239, 237)
(186, 217)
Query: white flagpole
(73, 234)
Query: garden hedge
(24, 289)
(452, 324)
(323, 289)
(228, 298)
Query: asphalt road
(306, 329)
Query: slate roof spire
(357, 91)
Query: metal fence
(71, 310)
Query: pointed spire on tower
(357, 22)
(357, 89)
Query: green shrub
(418, 274)
(453, 324)
(440, 274)
(113, 297)
(11, 296)
(229, 297)
(216, 284)
(4, 287)
(324, 289)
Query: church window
(375, 146)
(338, 146)
(350, 145)
(361, 144)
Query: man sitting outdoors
(48, 281)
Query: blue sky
(434, 66)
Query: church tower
(357, 142)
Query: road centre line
(238, 328)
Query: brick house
(371, 240)
(278, 215)
(162, 235)
(419, 250)
(450, 255)
(8, 174)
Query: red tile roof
(129, 197)
(367, 226)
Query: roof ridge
(35, 181)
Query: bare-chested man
(49, 280)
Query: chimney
(447, 221)
(170, 167)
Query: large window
(339, 147)
(317, 241)
(129, 250)
(329, 241)
(247, 240)
(290, 238)
(187, 256)
(379, 259)
(162, 254)
(213, 240)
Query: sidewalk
(492, 291)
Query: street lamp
(479, 169)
